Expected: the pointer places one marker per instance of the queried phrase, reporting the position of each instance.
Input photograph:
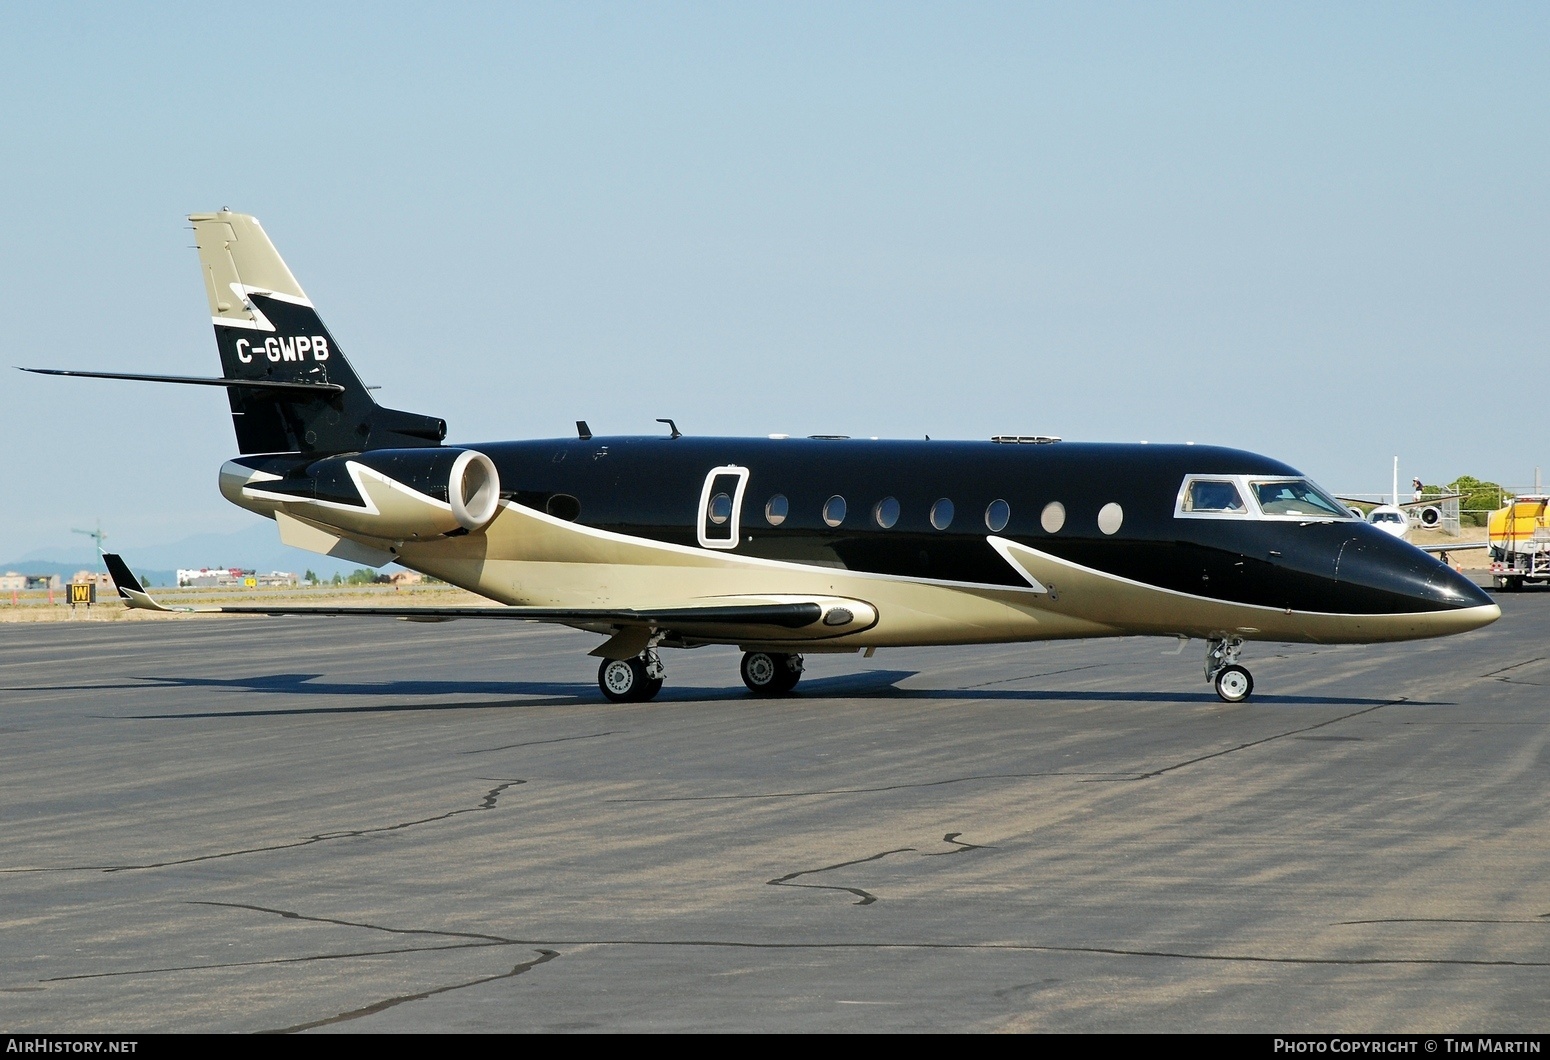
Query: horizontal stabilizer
(195, 380)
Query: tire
(1234, 684)
(769, 673)
(625, 681)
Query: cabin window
(886, 512)
(834, 510)
(776, 509)
(997, 514)
(942, 514)
(1213, 495)
(1110, 516)
(1297, 497)
(1053, 517)
(720, 509)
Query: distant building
(233, 578)
(405, 577)
(13, 581)
(91, 577)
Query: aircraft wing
(1464, 547)
(786, 618)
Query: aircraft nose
(1411, 579)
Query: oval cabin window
(886, 512)
(942, 514)
(834, 510)
(776, 509)
(720, 509)
(997, 514)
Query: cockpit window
(1387, 517)
(1297, 497)
(1211, 495)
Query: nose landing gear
(1233, 682)
(771, 673)
(631, 680)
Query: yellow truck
(1519, 537)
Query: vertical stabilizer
(267, 329)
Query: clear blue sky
(1314, 231)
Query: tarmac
(370, 825)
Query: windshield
(1297, 497)
(1207, 495)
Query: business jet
(781, 546)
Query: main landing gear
(631, 680)
(771, 673)
(1233, 682)
(766, 673)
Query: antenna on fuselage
(673, 426)
(583, 431)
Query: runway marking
(487, 803)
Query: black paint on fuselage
(650, 487)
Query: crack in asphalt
(1030, 677)
(544, 957)
(963, 848)
(477, 940)
(1542, 919)
(1514, 666)
(537, 743)
(487, 803)
(885, 787)
(1263, 740)
(867, 897)
(1091, 776)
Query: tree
(310, 577)
(337, 579)
(1477, 501)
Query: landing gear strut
(631, 680)
(1233, 682)
(771, 673)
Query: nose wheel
(1233, 683)
(771, 673)
(631, 680)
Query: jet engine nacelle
(404, 494)
(1430, 516)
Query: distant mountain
(255, 548)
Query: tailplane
(268, 333)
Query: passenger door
(721, 506)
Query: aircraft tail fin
(268, 331)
